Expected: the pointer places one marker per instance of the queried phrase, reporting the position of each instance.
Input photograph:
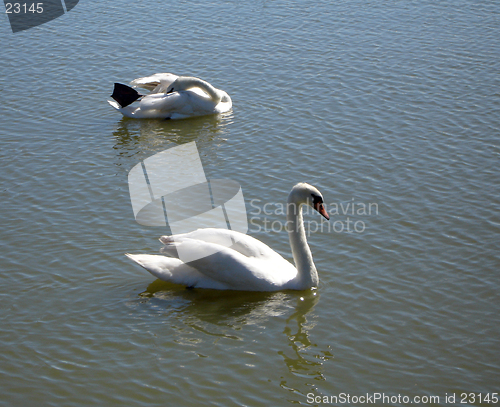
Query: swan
(248, 264)
(170, 97)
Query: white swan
(171, 97)
(249, 264)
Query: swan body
(248, 264)
(170, 97)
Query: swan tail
(167, 239)
(166, 268)
(128, 111)
(174, 271)
(125, 95)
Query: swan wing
(174, 271)
(202, 102)
(157, 83)
(162, 101)
(174, 105)
(233, 269)
(196, 102)
(242, 243)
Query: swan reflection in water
(219, 314)
(138, 139)
(153, 132)
(219, 308)
(298, 360)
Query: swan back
(183, 83)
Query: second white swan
(248, 264)
(170, 97)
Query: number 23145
(17, 8)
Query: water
(393, 104)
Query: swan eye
(316, 199)
(318, 205)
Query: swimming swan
(248, 264)
(170, 97)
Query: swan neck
(302, 256)
(214, 93)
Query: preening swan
(248, 264)
(170, 97)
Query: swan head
(173, 87)
(305, 194)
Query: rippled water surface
(388, 106)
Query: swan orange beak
(321, 209)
